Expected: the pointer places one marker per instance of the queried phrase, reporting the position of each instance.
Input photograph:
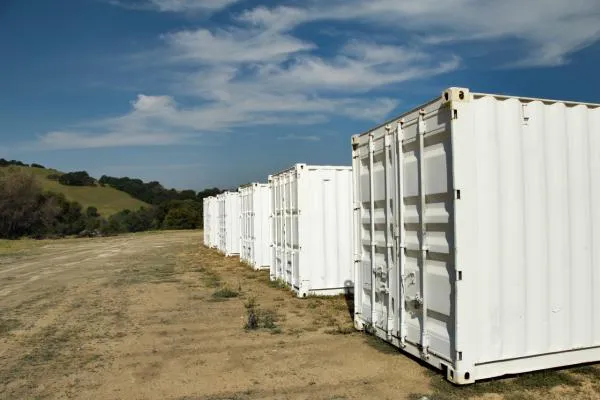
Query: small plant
(268, 318)
(341, 330)
(278, 284)
(252, 321)
(7, 325)
(258, 318)
(225, 293)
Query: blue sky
(202, 93)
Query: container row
(467, 229)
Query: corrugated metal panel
(481, 209)
(256, 225)
(210, 219)
(312, 229)
(229, 223)
(214, 222)
(205, 222)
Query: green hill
(107, 200)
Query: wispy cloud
(175, 5)
(86, 140)
(546, 32)
(147, 167)
(260, 70)
(232, 46)
(307, 138)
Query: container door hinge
(371, 143)
(387, 138)
(400, 130)
(356, 206)
(459, 275)
(421, 126)
(457, 194)
(525, 114)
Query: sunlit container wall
(255, 225)
(477, 233)
(311, 208)
(210, 212)
(229, 223)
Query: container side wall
(311, 229)
(535, 255)
(261, 226)
(214, 222)
(232, 216)
(205, 221)
(326, 262)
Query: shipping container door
(426, 262)
(293, 228)
(274, 228)
(278, 233)
(376, 239)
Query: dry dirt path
(136, 317)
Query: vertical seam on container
(500, 218)
(548, 299)
(524, 131)
(588, 114)
(568, 149)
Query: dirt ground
(158, 316)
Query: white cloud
(78, 140)
(307, 138)
(153, 104)
(548, 31)
(158, 121)
(175, 5)
(371, 66)
(236, 46)
(260, 71)
(146, 167)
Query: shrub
(258, 318)
(79, 178)
(225, 293)
(181, 214)
(23, 209)
(6, 163)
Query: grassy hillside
(108, 200)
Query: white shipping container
(229, 223)
(206, 220)
(311, 213)
(211, 225)
(483, 210)
(255, 225)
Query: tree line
(153, 192)
(8, 163)
(27, 210)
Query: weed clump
(278, 284)
(225, 293)
(341, 330)
(7, 325)
(258, 318)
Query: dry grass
(136, 317)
